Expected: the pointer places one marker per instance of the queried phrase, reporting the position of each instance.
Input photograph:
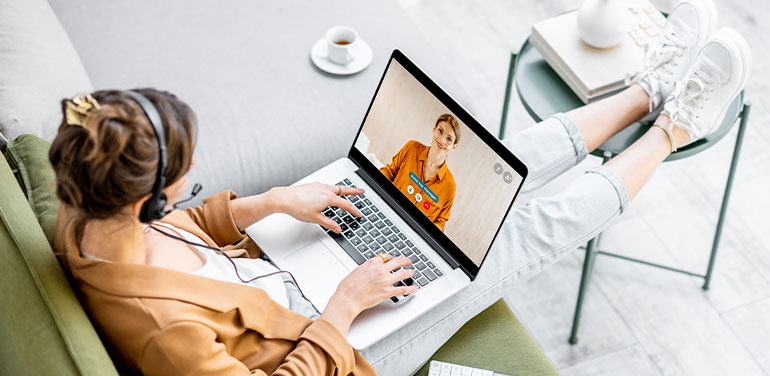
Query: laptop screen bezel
(464, 262)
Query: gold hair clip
(78, 107)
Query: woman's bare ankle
(640, 97)
(681, 136)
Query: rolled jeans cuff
(617, 183)
(581, 150)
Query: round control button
(426, 205)
(507, 177)
(498, 168)
(418, 197)
(410, 189)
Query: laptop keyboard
(373, 233)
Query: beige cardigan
(164, 322)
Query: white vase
(601, 23)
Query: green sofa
(44, 330)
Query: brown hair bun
(111, 160)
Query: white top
(217, 267)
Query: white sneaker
(688, 27)
(716, 76)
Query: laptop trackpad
(317, 271)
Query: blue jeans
(533, 236)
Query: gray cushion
(38, 67)
(267, 115)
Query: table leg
(585, 279)
(728, 189)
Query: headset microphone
(195, 190)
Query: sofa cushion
(43, 328)
(495, 340)
(267, 116)
(38, 67)
(27, 156)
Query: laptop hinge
(409, 219)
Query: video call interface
(445, 170)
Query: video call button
(498, 168)
(507, 177)
(418, 197)
(423, 187)
(410, 189)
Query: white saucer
(362, 56)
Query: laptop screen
(454, 178)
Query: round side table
(543, 93)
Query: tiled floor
(639, 320)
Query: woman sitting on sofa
(166, 306)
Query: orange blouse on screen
(411, 158)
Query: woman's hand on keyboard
(307, 202)
(366, 286)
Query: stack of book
(590, 72)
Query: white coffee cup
(341, 41)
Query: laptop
(445, 223)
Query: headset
(155, 207)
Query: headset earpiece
(153, 209)
(162, 201)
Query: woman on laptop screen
(421, 173)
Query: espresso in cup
(341, 40)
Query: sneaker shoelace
(658, 61)
(689, 98)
